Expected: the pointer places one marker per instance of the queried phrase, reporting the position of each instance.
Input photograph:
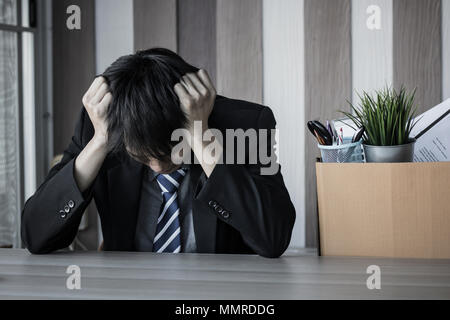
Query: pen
(319, 138)
(358, 135)
(319, 130)
(329, 129)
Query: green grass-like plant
(388, 116)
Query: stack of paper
(432, 131)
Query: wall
(226, 37)
(73, 71)
(113, 31)
(327, 84)
(372, 50)
(446, 48)
(284, 92)
(196, 31)
(418, 49)
(112, 22)
(155, 24)
(73, 67)
(303, 58)
(306, 59)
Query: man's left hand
(197, 96)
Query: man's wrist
(196, 132)
(99, 141)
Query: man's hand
(88, 163)
(96, 102)
(197, 96)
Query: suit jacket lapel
(205, 222)
(124, 184)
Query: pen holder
(345, 153)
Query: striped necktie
(168, 238)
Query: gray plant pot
(381, 154)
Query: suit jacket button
(219, 209)
(66, 209)
(225, 214)
(71, 204)
(62, 213)
(212, 203)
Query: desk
(123, 275)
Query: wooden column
(327, 83)
(284, 93)
(372, 59)
(446, 48)
(239, 49)
(73, 67)
(418, 49)
(197, 33)
(155, 24)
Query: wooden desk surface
(109, 275)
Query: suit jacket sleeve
(256, 205)
(51, 217)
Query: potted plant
(387, 119)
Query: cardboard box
(399, 210)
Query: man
(121, 155)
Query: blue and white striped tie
(168, 238)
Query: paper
(434, 145)
(347, 126)
(425, 120)
(432, 132)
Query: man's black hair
(145, 109)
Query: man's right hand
(96, 102)
(88, 163)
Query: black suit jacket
(235, 210)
